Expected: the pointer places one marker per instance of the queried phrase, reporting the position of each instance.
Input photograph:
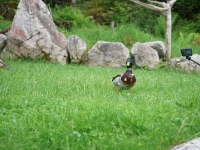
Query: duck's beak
(6, 67)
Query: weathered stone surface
(111, 54)
(34, 35)
(3, 39)
(144, 55)
(159, 46)
(75, 46)
(190, 145)
(185, 65)
(5, 54)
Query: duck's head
(2, 65)
(129, 63)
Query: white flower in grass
(77, 133)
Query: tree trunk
(166, 11)
(74, 5)
(168, 35)
(112, 25)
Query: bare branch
(156, 2)
(172, 2)
(166, 11)
(149, 6)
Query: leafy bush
(106, 11)
(4, 23)
(96, 10)
(67, 13)
(186, 39)
(120, 13)
(145, 19)
(196, 25)
(160, 27)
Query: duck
(4, 66)
(125, 80)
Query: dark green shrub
(145, 19)
(8, 9)
(96, 9)
(120, 13)
(195, 25)
(68, 14)
(160, 25)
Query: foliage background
(133, 21)
(124, 11)
(50, 106)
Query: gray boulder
(185, 65)
(159, 46)
(190, 145)
(144, 55)
(3, 39)
(111, 54)
(34, 35)
(75, 46)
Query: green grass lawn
(54, 107)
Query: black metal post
(189, 58)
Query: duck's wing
(119, 75)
